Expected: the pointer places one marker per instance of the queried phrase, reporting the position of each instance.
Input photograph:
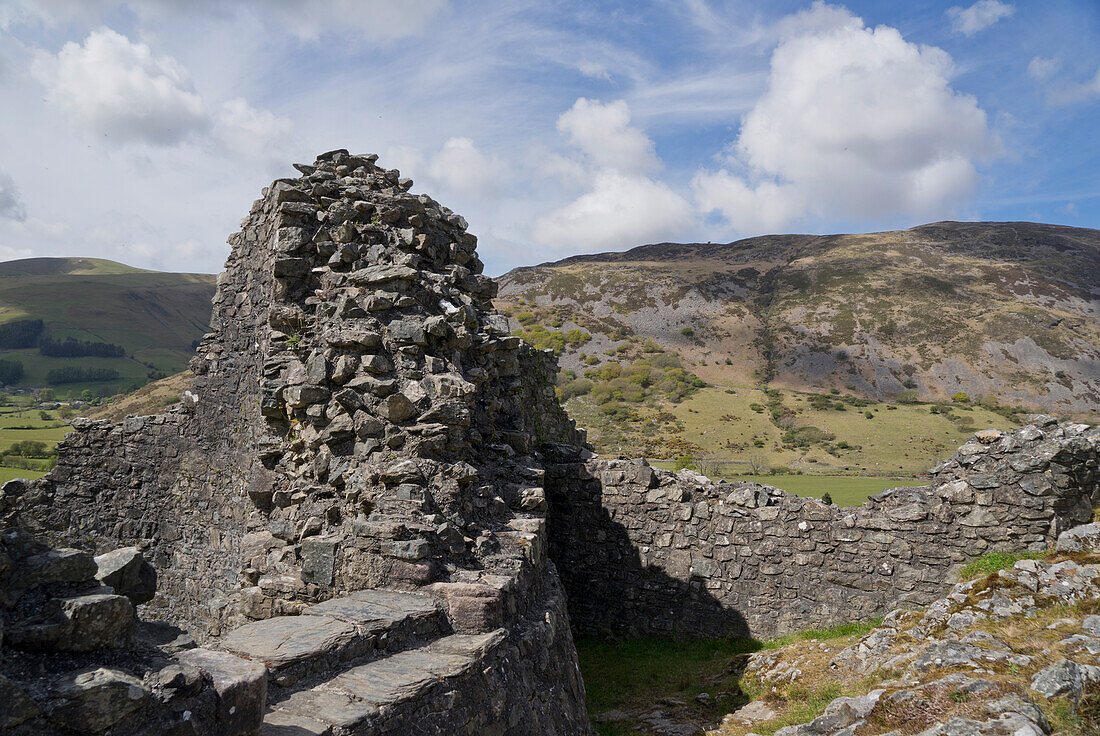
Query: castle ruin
(370, 515)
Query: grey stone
(240, 686)
(15, 705)
(1084, 538)
(92, 700)
(128, 573)
(1061, 678)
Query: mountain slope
(999, 311)
(153, 316)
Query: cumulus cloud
(855, 122)
(979, 16)
(604, 134)
(121, 92)
(619, 211)
(621, 205)
(460, 166)
(11, 204)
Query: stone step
(329, 635)
(350, 702)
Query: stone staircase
(350, 664)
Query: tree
(827, 499)
(707, 465)
(757, 462)
(46, 394)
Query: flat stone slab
(374, 608)
(277, 723)
(338, 709)
(288, 640)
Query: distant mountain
(1004, 311)
(89, 323)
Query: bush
(869, 414)
(574, 388)
(683, 461)
(525, 318)
(806, 436)
(827, 499)
(758, 408)
(961, 398)
(30, 448)
(687, 332)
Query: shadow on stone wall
(628, 597)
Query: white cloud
(460, 166)
(1068, 94)
(121, 92)
(11, 204)
(856, 122)
(594, 70)
(604, 134)
(250, 133)
(620, 211)
(979, 16)
(1040, 68)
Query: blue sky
(143, 131)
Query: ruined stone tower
(353, 474)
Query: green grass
(14, 419)
(637, 673)
(996, 561)
(7, 474)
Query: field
(732, 428)
(19, 424)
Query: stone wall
(176, 484)
(646, 551)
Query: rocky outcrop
(646, 551)
(1006, 653)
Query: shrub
(758, 408)
(592, 360)
(961, 398)
(687, 332)
(525, 318)
(683, 461)
(30, 448)
(827, 499)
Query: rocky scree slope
(1013, 652)
(995, 310)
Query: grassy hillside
(1004, 312)
(155, 317)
